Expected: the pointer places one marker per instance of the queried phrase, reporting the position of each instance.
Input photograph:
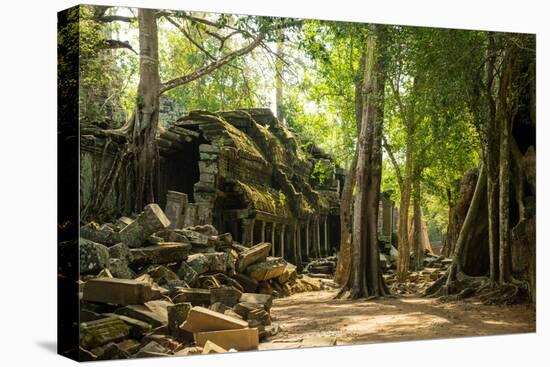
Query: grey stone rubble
(137, 292)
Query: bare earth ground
(392, 319)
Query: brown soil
(394, 319)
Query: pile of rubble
(149, 290)
(322, 268)
(418, 281)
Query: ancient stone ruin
(244, 215)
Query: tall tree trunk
(279, 79)
(143, 142)
(343, 266)
(504, 170)
(417, 220)
(492, 158)
(467, 227)
(403, 253)
(366, 278)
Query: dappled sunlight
(394, 319)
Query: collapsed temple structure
(245, 173)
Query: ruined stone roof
(220, 132)
(265, 199)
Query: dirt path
(394, 319)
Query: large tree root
(447, 289)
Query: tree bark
(403, 251)
(504, 170)
(492, 158)
(279, 80)
(466, 230)
(343, 265)
(417, 220)
(146, 114)
(366, 278)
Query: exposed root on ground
(451, 289)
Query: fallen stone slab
(152, 349)
(211, 348)
(121, 251)
(265, 300)
(219, 307)
(129, 346)
(160, 308)
(94, 256)
(244, 308)
(142, 313)
(151, 220)
(314, 284)
(100, 234)
(117, 291)
(161, 274)
(217, 262)
(119, 269)
(163, 253)
(258, 317)
(289, 273)
(201, 319)
(177, 314)
(199, 263)
(188, 274)
(99, 332)
(138, 328)
(272, 268)
(249, 284)
(253, 255)
(239, 339)
(229, 296)
(111, 351)
(195, 296)
(206, 229)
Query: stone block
(142, 313)
(253, 255)
(249, 284)
(161, 274)
(151, 220)
(117, 291)
(199, 263)
(289, 273)
(219, 307)
(228, 296)
(239, 339)
(152, 349)
(177, 314)
(212, 348)
(201, 319)
(121, 251)
(217, 262)
(314, 284)
(272, 268)
(166, 252)
(94, 257)
(100, 234)
(187, 273)
(119, 269)
(175, 208)
(265, 300)
(99, 332)
(195, 296)
(138, 328)
(258, 317)
(244, 308)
